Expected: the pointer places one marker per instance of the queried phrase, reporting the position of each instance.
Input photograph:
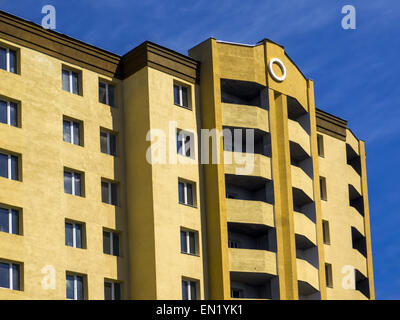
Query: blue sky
(355, 71)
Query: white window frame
(109, 141)
(181, 137)
(74, 224)
(73, 173)
(112, 243)
(109, 184)
(189, 288)
(113, 288)
(8, 103)
(11, 274)
(71, 131)
(76, 285)
(8, 65)
(10, 219)
(185, 192)
(187, 237)
(71, 82)
(180, 102)
(9, 158)
(107, 91)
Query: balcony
(244, 116)
(252, 188)
(354, 179)
(251, 236)
(248, 285)
(301, 181)
(308, 278)
(298, 135)
(358, 241)
(356, 200)
(304, 227)
(356, 220)
(243, 211)
(254, 165)
(244, 93)
(353, 159)
(352, 142)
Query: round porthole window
(272, 72)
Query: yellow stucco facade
(271, 233)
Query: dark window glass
(78, 184)
(69, 235)
(115, 244)
(104, 192)
(189, 194)
(15, 221)
(102, 92)
(65, 80)
(113, 145)
(114, 194)
(4, 220)
(3, 111)
(193, 291)
(192, 243)
(103, 142)
(107, 291)
(16, 278)
(75, 83)
(106, 242)
(4, 275)
(3, 59)
(117, 291)
(183, 241)
(111, 95)
(14, 168)
(13, 115)
(70, 287)
(3, 165)
(176, 95)
(184, 290)
(67, 131)
(78, 235)
(13, 61)
(185, 101)
(77, 134)
(181, 192)
(79, 283)
(68, 182)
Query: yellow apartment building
(92, 206)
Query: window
(10, 277)
(189, 290)
(328, 275)
(75, 287)
(109, 193)
(188, 242)
(107, 93)
(8, 113)
(8, 59)
(236, 293)
(108, 143)
(320, 144)
(181, 97)
(233, 244)
(185, 143)
(322, 186)
(70, 81)
(9, 221)
(186, 193)
(8, 166)
(73, 183)
(112, 290)
(72, 132)
(111, 243)
(74, 234)
(326, 234)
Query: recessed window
(10, 275)
(71, 81)
(112, 290)
(320, 144)
(189, 290)
(107, 93)
(9, 113)
(109, 193)
(74, 234)
(186, 193)
(328, 275)
(111, 243)
(9, 220)
(72, 132)
(181, 95)
(9, 166)
(75, 287)
(108, 142)
(185, 143)
(322, 186)
(73, 183)
(326, 234)
(188, 242)
(8, 59)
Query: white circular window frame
(281, 66)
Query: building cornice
(331, 125)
